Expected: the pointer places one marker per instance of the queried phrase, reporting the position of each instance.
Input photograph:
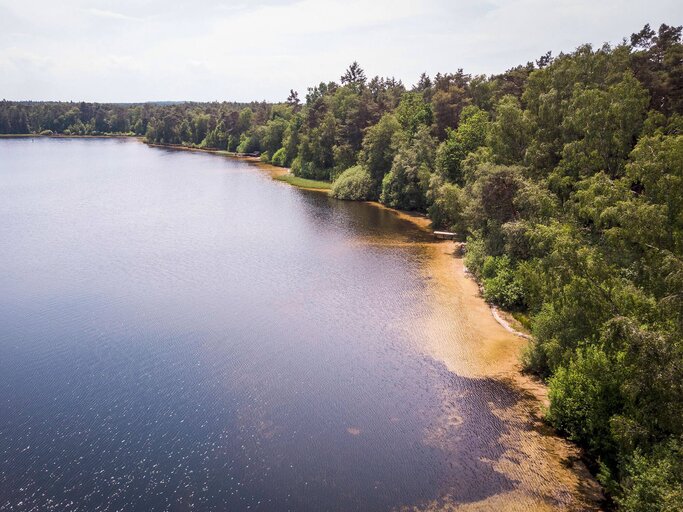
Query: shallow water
(180, 332)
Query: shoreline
(472, 338)
(462, 331)
(62, 136)
(418, 220)
(491, 349)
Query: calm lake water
(180, 332)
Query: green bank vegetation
(565, 176)
(303, 182)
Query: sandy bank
(474, 341)
(463, 332)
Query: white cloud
(102, 13)
(132, 50)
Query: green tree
(378, 150)
(470, 135)
(405, 186)
(510, 132)
(353, 184)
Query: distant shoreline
(62, 136)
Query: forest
(565, 178)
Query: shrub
(280, 158)
(501, 285)
(447, 205)
(584, 395)
(353, 184)
(475, 255)
(655, 481)
(296, 166)
(308, 170)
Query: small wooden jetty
(445, 235)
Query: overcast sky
(141, 50)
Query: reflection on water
(178, 331)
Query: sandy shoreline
(473, 340)
(462, 332)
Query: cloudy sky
(140, 50)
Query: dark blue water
(180, 332)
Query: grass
(303, 182)
(523, 319)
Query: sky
(236, 50)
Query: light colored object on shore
(445, 235)
(496, 313)
(506, 325)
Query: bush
(654, 482)
(46, 132)
(475, 255)
(353, 184)
(405, 185)
(249, 143)
(308, 170)
(296, 166)
(447, 205)
(280, 158)
(583, 398)
(501, 285)
(265, 157)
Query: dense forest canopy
(565, 176)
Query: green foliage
(603, 125)
(510, 133)
(449, 95)
(475, 254)
(354, 184)
(583, 397)
(566, 179)
(470, 135)
(413, 112)
(447, 205)
(279, 158)
(273, 134)
(404, 186)
(216, 138)
(378, 150)
(657, 166)
(653, 482)
(492, 203)
(501, 284)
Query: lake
(178, 331)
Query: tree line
(186, 123)
(564, 176)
